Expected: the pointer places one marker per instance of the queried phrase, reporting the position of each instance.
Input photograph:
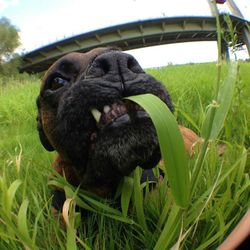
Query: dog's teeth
(106, 109)
(96, 114)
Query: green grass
(217, 202)
(192, 89)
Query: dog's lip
(117, 114)
(127, 118)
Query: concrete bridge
(137, 34)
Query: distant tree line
(9, 41)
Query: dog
(99, 136)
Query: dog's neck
(66, 169)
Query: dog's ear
(43, 138)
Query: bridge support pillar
(246, 37)
(246, 31)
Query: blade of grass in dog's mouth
(171, 145)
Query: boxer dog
(82, 114)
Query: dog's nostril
(130, 63)
(133, 65)
(100, 67)
(104, 64)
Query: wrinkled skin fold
(82, 114)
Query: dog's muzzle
(89, 121)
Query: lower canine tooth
(96, 114)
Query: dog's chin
(125, 144)
(117, 148)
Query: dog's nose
(115, 65)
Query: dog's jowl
(82, 114)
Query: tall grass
(147, 219)
(192, 87)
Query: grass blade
(171, 144)
(69, 217)
(138, 199)
(22, 223)
(225, 97)
(217, 113)
(169, 229)
(11, 195)
(127, 190)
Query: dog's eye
(57, 83)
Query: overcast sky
(45, 21)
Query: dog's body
(82, 114)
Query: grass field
(218, 201)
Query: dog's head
(82, 114)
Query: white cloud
(4, 4)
